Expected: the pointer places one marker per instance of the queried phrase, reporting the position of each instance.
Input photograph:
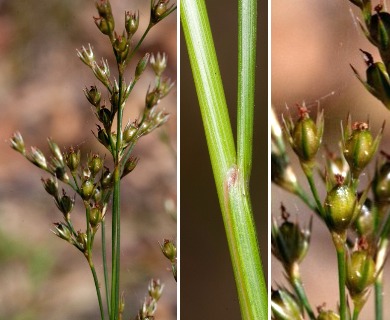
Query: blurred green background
(313, 43)
(207, 283)
(41, 82)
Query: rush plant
(96, 179)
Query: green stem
(97, 286)
(339, 242)
(305, 198)
(356, 314)
(313, 188)
(379, 297)
(231, 186)
(381, 258)
(105, 271)
(296, 282)
(115, 272)
(247, 28)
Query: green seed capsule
(87, 189)
(95, 217)
(340, 205)
(328, 315)
(359, 148)
(381, 184)
(380, 29)
(305, 139)
(284, 306)
(360, 272)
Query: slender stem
(356, 314)
(247, 29)
(97, 286)
(381, 258)
(313, 188)
(339, 242)
(379, 297)
(305, 198)
(300, 291)
(234, 200)
(139, 42)
(115, 272)
(105, 271)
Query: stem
(305, 198)
(379, 297)
(231, 186)
(313, 188)
(381, 258)
(247, 27)
(339, 242)
(296, 282)
(96, 281)
(356, 314)
(115, 274)
(139, 42)
(104, 253)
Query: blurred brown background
(207, 283)
(41, 82)
(313, 43)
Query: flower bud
(107, 179)
(56, 152)
(305, 135)
(129, 133)
(169, 250)
(165, 86)
(51, 186)
(284, 306)
(17, 143)
(65, 204)
(86, 55)
(328, 315)
(359, 146)
(289, 242)
(37, 157)
(159, 10)
(105, 117)
(93, 96)
(360, 273)
(103, 137)
(365, 221)
(141, 66)
(95, 216)
(378, 81)
(73, 159)
(129, 166)
(131, 22)
(97, 195)
(379, 29)
(121, 47)
(305, 139)
(155, 289)
(159, 63)
(82, 241)
(104, 8)
(102, 72)
(87, 189)
(95, 164)
(62, 231)
(381, 182)
(340, 207)
(152, 99)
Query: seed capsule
(340, 207)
